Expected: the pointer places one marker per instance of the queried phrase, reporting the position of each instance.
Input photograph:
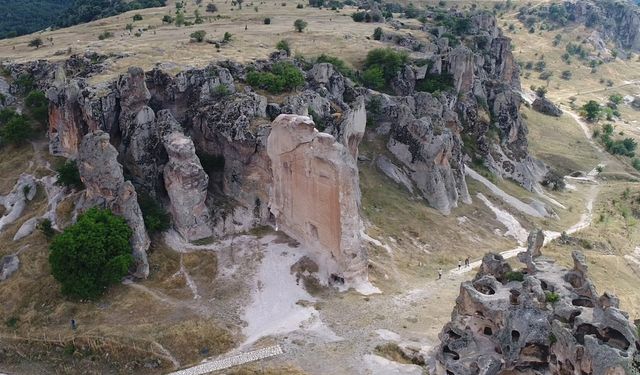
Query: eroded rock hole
(450, 354)
(487, 331)
(615, 339)
(515, 336)
(583, 302)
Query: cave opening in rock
(515, 336)
(487, 331)
(583, 302)
(448, 353)
(213, 165)
(615, 338)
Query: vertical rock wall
(315, 195)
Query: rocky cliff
(315, 195)
(542, 319)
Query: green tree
(36, 42)
(198, 36)
(92, 254)
(283, 45)
(69, 175)
(373, 78)
(16, 131)
(388, 60)
(541, 91)
(615, 98)
(377, 33)
(156, 218)
(198, 19)
(180, 20)
(227, 37)
(167, 19)
(37, 106)
(300, 25)
(591, 110)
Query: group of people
(466, 264)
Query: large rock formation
(102, 175)
(550, 321)
(186, 184)
(546, 106)
(315, 195)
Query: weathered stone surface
(546, 106)
(6, 99)
(394, 172)
(102, 175)
(16, 201)
(508, 327)
(315, 196)
(8, 266)
(186, 183)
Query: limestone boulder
(105, 187)
(546, 106)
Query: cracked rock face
(186, 184)
(102, 175)
(315, 195)
(551, 322)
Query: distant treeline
(21, 17)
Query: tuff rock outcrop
(551, 322)
(546, 106)
(102, 175)
(16, 201)
(315, 195)
(186, 183)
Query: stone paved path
(223, 363)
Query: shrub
(300, 25)
(514, 276)
(198, 36)
(156, 218)
(615, 98)
(552, 297)
(284, 76)
(91, 254)
(267, 21)
(137, 17)
(38, 106)
(591, 110)
(105, 35)
(566, 74)
(299, 6)
(46, 228)
(541, 91)
(540, 66)
(167, 19)
(636, 164)
(338, 64)
(220, 91)
(373, 78)
(16, 131)
(69, 175)
(435, 83)
(283, 45)
(359, 16)
(388, 60)
(377, 33)
(36, 42)
(226, 38)
(212, 8)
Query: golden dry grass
(330, 32)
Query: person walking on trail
(439, 273)
(466, 262)
(459, 265)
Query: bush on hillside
(91, 255)
(283, 76)
(156, 218)
(69, 175)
